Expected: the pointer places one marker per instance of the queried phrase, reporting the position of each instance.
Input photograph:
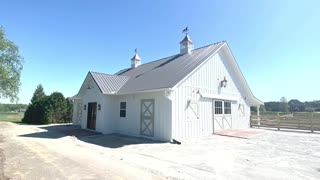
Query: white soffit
(216, 96)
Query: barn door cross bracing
(147, 117)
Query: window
(218, 107)
(227, 107)
(123, 109)
(222, 107)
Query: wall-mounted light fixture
(99, 107)
(85, 107)
(88, 86)
(224, 82)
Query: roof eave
(247, 89)
(253, 101)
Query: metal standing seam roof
(162, 73)
(109, 84)
(166, 72)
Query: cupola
(186, 45)
(135, 60)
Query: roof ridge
(107, 74)
(209, 45)
(179, 53)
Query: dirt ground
(51, 152)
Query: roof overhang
(217, 96)
(75, 97)
(249, 97)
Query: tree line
(44, 109)
(294, 105)
(13, 107)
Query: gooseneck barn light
(224, 82)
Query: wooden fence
(299, 121)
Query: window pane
(123, 105)
(218, 107)
(227, 107)
(122, 113)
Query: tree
(58, 107)
(10, 68)
(312, 105)
(272, 106)
(283, 99)
(12, 107)
(276, 106)
(38, 112)
(284, 107)
(48, 109)
(296, 105)
(38, 94)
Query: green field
(11, 117)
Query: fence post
(311, 122)
(299, 121)
(278, 120)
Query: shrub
(38, 112)
(49, 109)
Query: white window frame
(222, 108)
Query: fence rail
(299, 121)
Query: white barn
(191, 94)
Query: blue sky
(276, 43)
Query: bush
(38, 112)
(49, 109)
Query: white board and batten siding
(108, 118)
(130, 124)
(206, 80)
(93, 94)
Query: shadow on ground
(92, 137)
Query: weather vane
(186, 30)
(136, 50)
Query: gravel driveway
(51, 152)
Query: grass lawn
(11, 117)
